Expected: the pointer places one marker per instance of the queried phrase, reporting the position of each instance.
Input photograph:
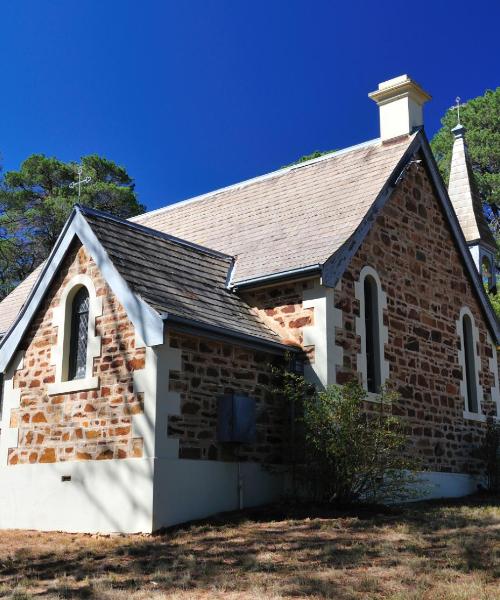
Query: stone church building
(136, 361)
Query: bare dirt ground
(435, 551)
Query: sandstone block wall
(411, 247)
(210, 369)
(86, 425)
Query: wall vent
(236, 419)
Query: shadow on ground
(285, 551)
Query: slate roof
(292, 218)
(175, 277)
(12, 304)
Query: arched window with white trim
(77, 343)
(370, 328)
(79, 335)
(471, 400)
(372, 343)
(468, 358)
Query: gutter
(219, 332)
(300, 273)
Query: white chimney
(400, 101)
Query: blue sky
(193, 95)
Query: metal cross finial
(80, 181)
(457, 108)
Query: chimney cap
(399, 87)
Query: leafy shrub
(350, 453)
(490, 454)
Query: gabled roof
(464, 195)
(179, 279)
(277, 223)
(156, 278)
(306, 218)
(290, 219)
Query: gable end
(148, 323)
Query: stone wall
(93, 424)
(210, 369)
(282, 309)
(412, 249)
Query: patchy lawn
(435, 551)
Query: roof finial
(457, 100)
(81, 180)
(459, 129)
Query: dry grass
(433, 551)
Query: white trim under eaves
(241, 184)
(147, 322)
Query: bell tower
(468, 207)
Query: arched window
(79, 335)
(372, 341)
(471, 400)
(487, 273)
(373, 333)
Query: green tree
(306, 157)
(481, 118)
(36, 201)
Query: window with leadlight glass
(79, 335)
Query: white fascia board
(147, 322)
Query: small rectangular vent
(65, 478)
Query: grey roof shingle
(295, 217)
(176, 277)
(12, 304)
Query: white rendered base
(448, 485)
(193, 489)
(102, 496)
(117, 495)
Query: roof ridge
(245, 182)
(86, 210)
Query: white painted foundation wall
(118, 495)
(102, 496)
(193, 489)
(449, 485)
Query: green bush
(490, 454)
(349, 453)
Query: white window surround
(60, 352)
(495, 388)
(359, 293)
(472, 416)
(321, 334)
